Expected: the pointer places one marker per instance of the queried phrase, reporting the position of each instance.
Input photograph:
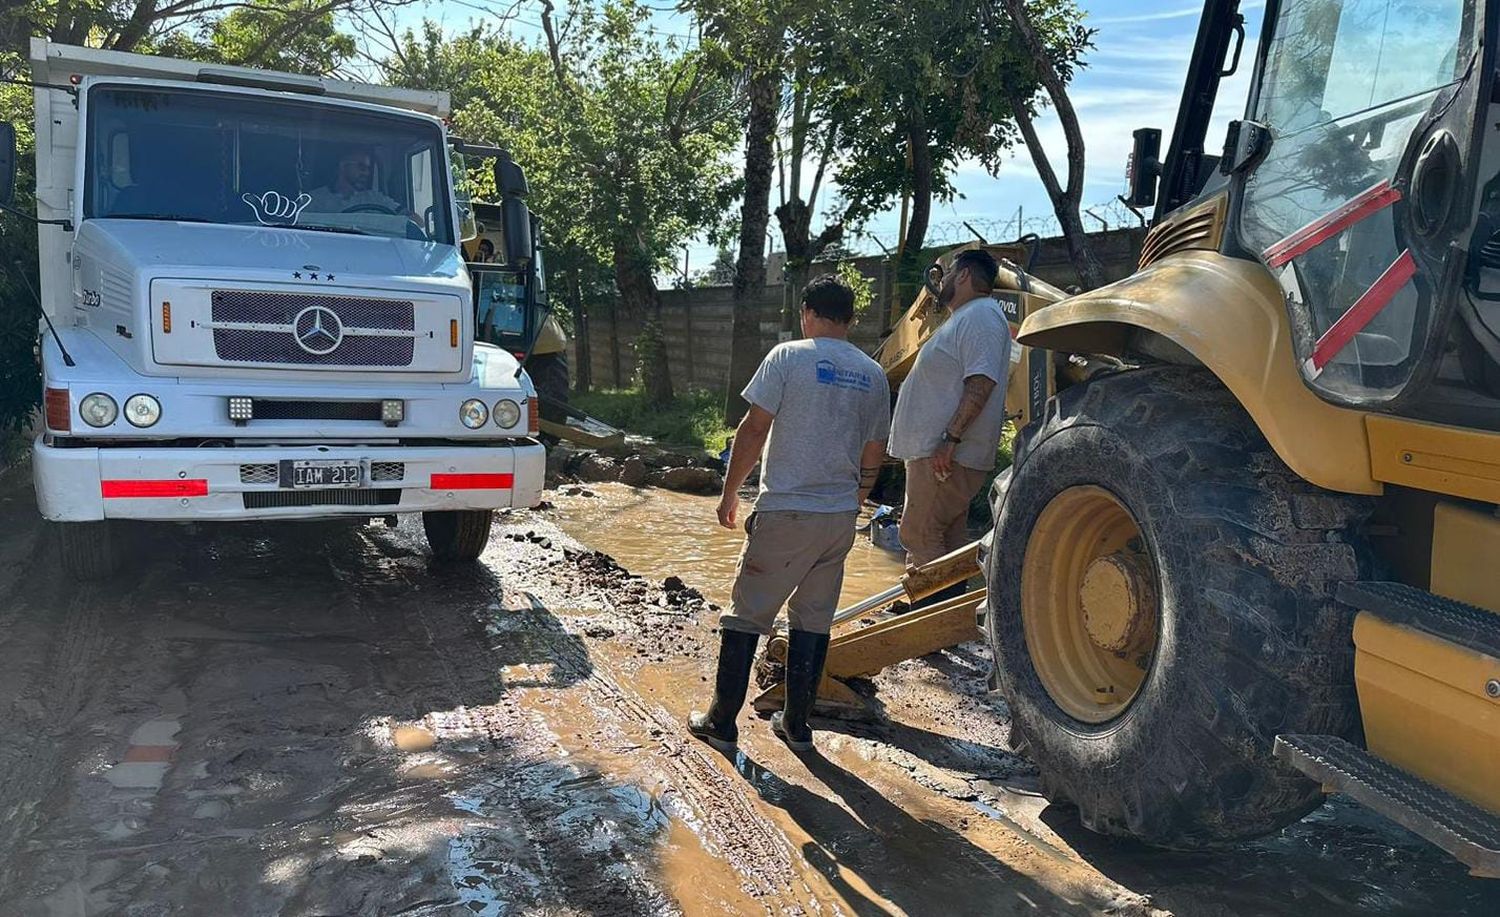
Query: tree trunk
(755, 213)
(909, 269)
(1065, 201)
(137, 27)
(583, 369)
(639, 296)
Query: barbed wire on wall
(1103, 216)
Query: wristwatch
(950, 438)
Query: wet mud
(316, 719)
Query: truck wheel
(89, 549)
(1162, 607)
(457, 535)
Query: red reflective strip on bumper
(1369, 304)
(1370, 201)
(191, 487)
(473, 481)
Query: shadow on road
(920, 866)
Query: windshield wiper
(161, 217)
(322, 227)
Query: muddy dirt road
(313, 719)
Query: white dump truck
(256, 306)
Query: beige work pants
(794, 555)
(935, 518)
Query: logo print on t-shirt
(830, 374)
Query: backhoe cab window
(217, 157)
(1344, 88)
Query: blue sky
(1133, 79)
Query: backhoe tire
(1243, 557)
(457, 535)
(89, 550)
(549, 373)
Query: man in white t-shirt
(951, 410)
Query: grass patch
(694, 420)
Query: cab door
(1363, 112)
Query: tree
(292, 36)
(624, 141)
(258, 34)
(1052, 40)
(750, 36)
(811, 131)
(922, 89)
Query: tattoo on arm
(977, 391)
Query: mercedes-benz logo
(317, 330)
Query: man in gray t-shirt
(818, 419)
(951, 410)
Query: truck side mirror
(510, 179)
(1144, 169)
(517, 219)
(7, 163)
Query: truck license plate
(296, 473)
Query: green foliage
(955, 67)
(20, 380)
(693, 420)
(625, 141)
(294, 36)
(863, 287)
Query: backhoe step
(1454, 621)
(1465, 831)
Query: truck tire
(457, 535)
(1161, 607)
(89, 550)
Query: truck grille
(281, 409)
(274, 499)
(250, 326)
(260, 473)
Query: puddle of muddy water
(660, 533)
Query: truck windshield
(219, 157)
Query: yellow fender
(1228, 314)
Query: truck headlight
(142, 410)
(473, 413)
(98, 409)
(507, 413)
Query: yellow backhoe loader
(1255, 560)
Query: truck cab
(258, 307)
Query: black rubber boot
(736, 656)
(805, 655)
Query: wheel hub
(1117, 599)
(1089, 603)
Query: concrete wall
(698, 322)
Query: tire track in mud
(523, 789)
(34, 757)
(725, 811)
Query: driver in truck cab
(354, 186)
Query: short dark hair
(981, 262)
(829, 297)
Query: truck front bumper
(183, 484)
